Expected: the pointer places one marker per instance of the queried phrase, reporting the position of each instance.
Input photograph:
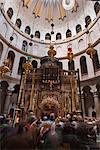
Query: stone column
(83, 106)
(97, 104)
(7, 102)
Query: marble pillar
(83, 106)
(97, 104)
(7, 102)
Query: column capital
(95, 94)
(9, 93)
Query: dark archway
(83, 65)
(88, 99)
(10, 12)
(48, 36)
(11, 57)
(1, 49)
(3, 93)
(58, 36)
(37, 34)
(34, 64)
(68, 33)
(87, 20)
(71, 65)
(18, 23)
(98, 89)
(95, 61)
(78, 28)
(20, 68)
(27, 30)
(97, 7)
(25, 46)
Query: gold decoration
(4, 69)
(27, 66)
(90, 50)
(70, 56)
(51, 51)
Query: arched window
(83, 65)
(37, 34)
(71, 65)
(68, 33)
(97, 7)
(1, 49)
(87, 20)
(20, 68)
(58, 36)
(48, 36)
(27, 30)
(78, 28)
(95, 61)
(34, 64)
(10, 12)
(25, 46)
(18, 23)
(11, 57)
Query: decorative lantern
(28, 66)
(90, 50)
(4, 69)
(70, 54)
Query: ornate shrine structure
(49, 89)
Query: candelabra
(20, 104)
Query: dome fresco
(47, 12)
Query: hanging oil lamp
(70, 54)
(90, 50)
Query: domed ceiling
(53, 11)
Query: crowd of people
(72, 132)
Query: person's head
(45, 118)
(82, 130)
(20, 129)
(52, 116)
